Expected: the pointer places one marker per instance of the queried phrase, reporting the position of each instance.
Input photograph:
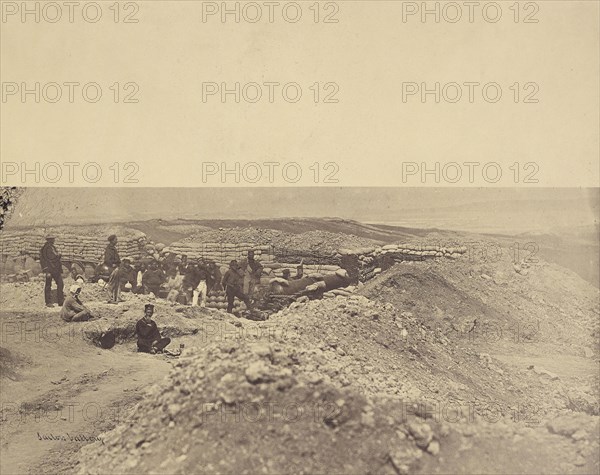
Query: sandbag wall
(220, 253)
(373, 260)
(406, 252)
(368, 258)
(307, 257)
(218, 300)
(72, 246)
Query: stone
(257, 372)
(544, 372)
(567, 425)
(421, 432)
(261, 349)
(434, 447)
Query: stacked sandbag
(305, 256)
(404, 252)
(77, 243)
(343, 292)
(221, 253)
(218, 300)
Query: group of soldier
(178, 280)
(182, 280)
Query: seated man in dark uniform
(149, 339)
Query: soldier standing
(50, 260)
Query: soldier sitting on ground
(149, 338)
(73, 310)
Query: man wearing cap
(50, 261)
(73, 310)
(233, 283)
(111, 254)
(149, 339)
(118, 277)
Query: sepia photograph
(310, 237)
(299, 331)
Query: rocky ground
(467, 366)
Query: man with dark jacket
(233, 282)
(50, 260)
(111, 254)
(149, 339)
(214, 277)
(153, 278)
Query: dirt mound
(371, 370)
(491, 301)
(314, 241)
(254, 401)
(378, 349)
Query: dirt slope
(443, 366)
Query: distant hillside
(503, 211)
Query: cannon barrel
(332, 281)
